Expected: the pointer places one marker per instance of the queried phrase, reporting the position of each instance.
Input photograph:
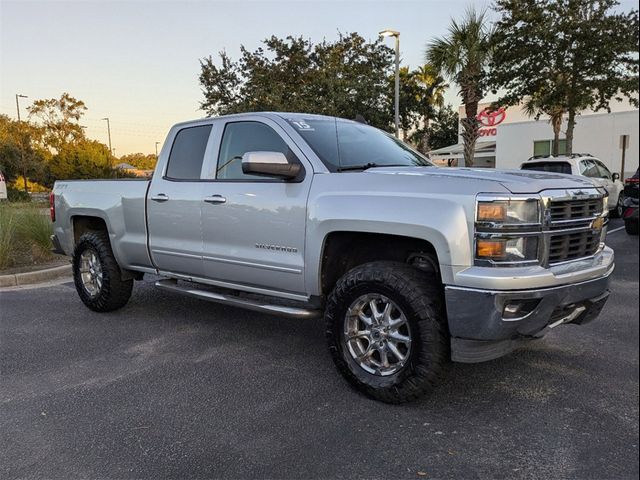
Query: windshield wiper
(369, 165)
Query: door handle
(161, 197)
(218, 199)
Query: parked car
(304, 216)
(584, 165)
(630, 214)
(3, 187)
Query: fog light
(517, 309)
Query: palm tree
(432, 87)
(533, 108)
(548, 100)
(463, 55)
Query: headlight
(507, 230)
(605, 205)
(512, 249)
(508, 212)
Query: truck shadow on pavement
(285, 352)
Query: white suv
(3, 187)
(584, 165)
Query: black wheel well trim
(411, 250)
(82, 224)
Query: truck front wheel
(97, 276)
(386, 330)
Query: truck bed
(119, 203)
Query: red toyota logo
(491, 118)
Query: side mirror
(616, 176)
(269, 164)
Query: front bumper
(480, 330)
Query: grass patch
(36, 228)
(24, 236)
(7, 236)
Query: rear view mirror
(269, 164)
(616, 176)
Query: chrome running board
(234, 301)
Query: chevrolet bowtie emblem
(597, 224)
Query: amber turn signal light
(490, 248)
(492, 212)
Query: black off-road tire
(420, 296)
(115, 292)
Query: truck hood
(516, 181)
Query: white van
(3, 187)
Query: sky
(137, 62)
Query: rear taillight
(632, 180)
(52, 206)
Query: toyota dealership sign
(489, 120)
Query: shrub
(7, 236)
(24, 235)
(17, 195)
(32, 186)
(36, 228)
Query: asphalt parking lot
(177, 387)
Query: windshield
(555, 167)
(347, 145)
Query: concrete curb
(37, 276)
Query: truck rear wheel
(97, 276)
(386, 330)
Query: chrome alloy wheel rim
(91, 272)
(377, 334)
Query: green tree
(409, 98)
(542, 104)
(345, 78)
(443, 130)
(59, 119)
(19, 152)
(431, 100)
(463, 55)
(421, 94)
(83, 159)
(139, 160)
(564, 56)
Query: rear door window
(554, 167)
(187, 153)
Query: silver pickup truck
(302, 215)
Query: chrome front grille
(572, 246)
(572, 210)
(573, 228)
(569, 224)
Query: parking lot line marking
(615, 230)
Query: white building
(509, 137)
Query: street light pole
(109, 134)
(157, 143)
(18, 103)
(396, 34)
(24, 166)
